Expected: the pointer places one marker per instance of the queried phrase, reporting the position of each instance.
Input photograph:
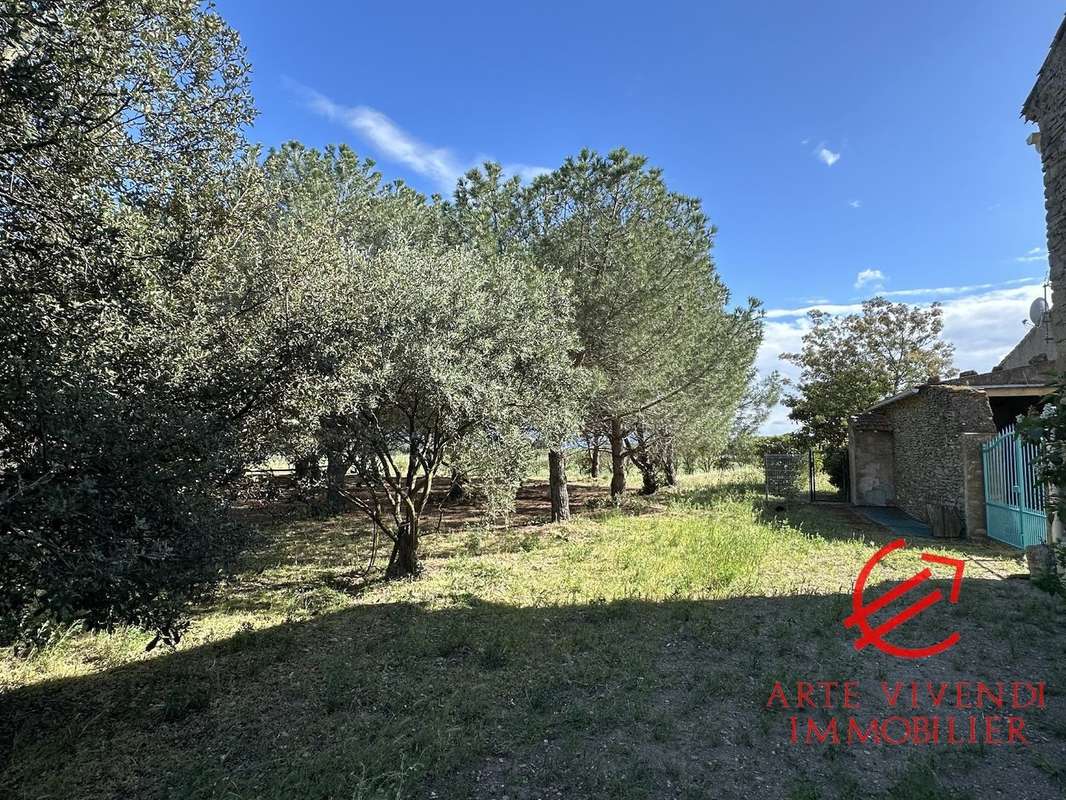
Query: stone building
(919, 450)
(1036, 347)
(1046, 106)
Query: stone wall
(927, 430)
(871, 460)
(1046, 106)
(1037, 345)
(1038, 373)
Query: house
(921, 450)
(1046, 106)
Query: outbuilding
(920, 450)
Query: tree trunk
(458, 492)
(336, 470)
(404, 559)
(618, 461)
(594, 459)
(307, 468)
(649, 480)
(670, 463)
(560, 494)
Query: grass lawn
(629, 654)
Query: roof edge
(1029, 109)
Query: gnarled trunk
(649, 480)
(560, 493)
(457, 492)
(618, 461)
(336, 470)
(670, 462)
(594, 460)
(670, 469)
(404, 559)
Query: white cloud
(827, 156)
(983, 326)
(873, 278)
(855, 203)
(829, 308)
(392, 142)
(948, 290)
(1036, 254)
(526, 172)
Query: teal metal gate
(1014, 500)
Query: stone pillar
(973, 485)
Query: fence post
(810, 473)
(1019, 488)
(974, 484)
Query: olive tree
(142, 344)
(462, 359)
(492, 213)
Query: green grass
(628, 654)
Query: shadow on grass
(625, 699)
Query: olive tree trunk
(336, 470)
(560, 494)
(649, 479)
(457, 491)
(670, 462)
(618, 461)
(404, 559)
(670, 468)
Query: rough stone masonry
(1046, 106)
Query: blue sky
(843, 149)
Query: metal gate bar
(1014, 499)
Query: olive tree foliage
(140, 344)
(469, 367)
(492, 214)
(329, 211)
(435, 354)
(669, 358)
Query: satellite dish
(1038, 310)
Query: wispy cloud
(1036, 254)
(826, 156)
(802, 311)
(392, 142)
(873, 278)
(855, 203)
(953, 290)
(983, 325)
(526, 172)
